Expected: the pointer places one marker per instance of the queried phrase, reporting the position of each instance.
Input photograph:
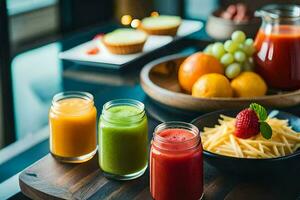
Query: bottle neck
(72, 103)
(279, 15)
(123, 111)
(176, 136)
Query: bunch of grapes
(235, 54)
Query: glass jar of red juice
(278, 46)
(176, 164)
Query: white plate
(108, 60)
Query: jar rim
(134, 117)
(278, 11)
(122, 102)
(194, 141)
(72, 94)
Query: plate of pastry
(124, 45)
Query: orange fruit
(249, 84)
(212, 85)
(196, 66)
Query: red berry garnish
(98, 36)
(93, 51)
(247, 124)
(251, 121)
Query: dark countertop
(106, 85)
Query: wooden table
(49, 179)
(83, 181)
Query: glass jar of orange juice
(72, 121)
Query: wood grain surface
(49, 179)
(159, 81)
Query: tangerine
(195, 66)
(249, 84)
(212, 85)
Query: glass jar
(176, 165)
(72, 121)
(123, 139)
(278, 46)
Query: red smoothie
(176, 166)
(277, 57)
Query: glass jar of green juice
(123, 139)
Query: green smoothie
(123, 139)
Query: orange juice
(72, 120)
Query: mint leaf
(260, 111)
(265, 130)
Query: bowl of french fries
(224, 149)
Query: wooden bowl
(159, 81)
(221, 29)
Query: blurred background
(29, 30)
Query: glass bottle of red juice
(278, 46)
(176, 163)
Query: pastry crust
(160, 31)
(161, 25)
(124, 48)
(124, 42)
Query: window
(16, 6)
(31, 20)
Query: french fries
(221, 140)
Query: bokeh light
(135, 23)
(154, 14)
(126, 19)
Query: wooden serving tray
(159, 81)
(49, 179)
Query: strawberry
(247, 124)
(252, 121)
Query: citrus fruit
(248, 84)
(212, 85)
(195, 66)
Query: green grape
(239, 56)
(218, 50)
(208, 49)
(230, 46)
(247, 66)
(227, 59)
(249, 49)
(238, 36)
(233, 70)
(249, 42)
(251, 61)
(241, 47)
